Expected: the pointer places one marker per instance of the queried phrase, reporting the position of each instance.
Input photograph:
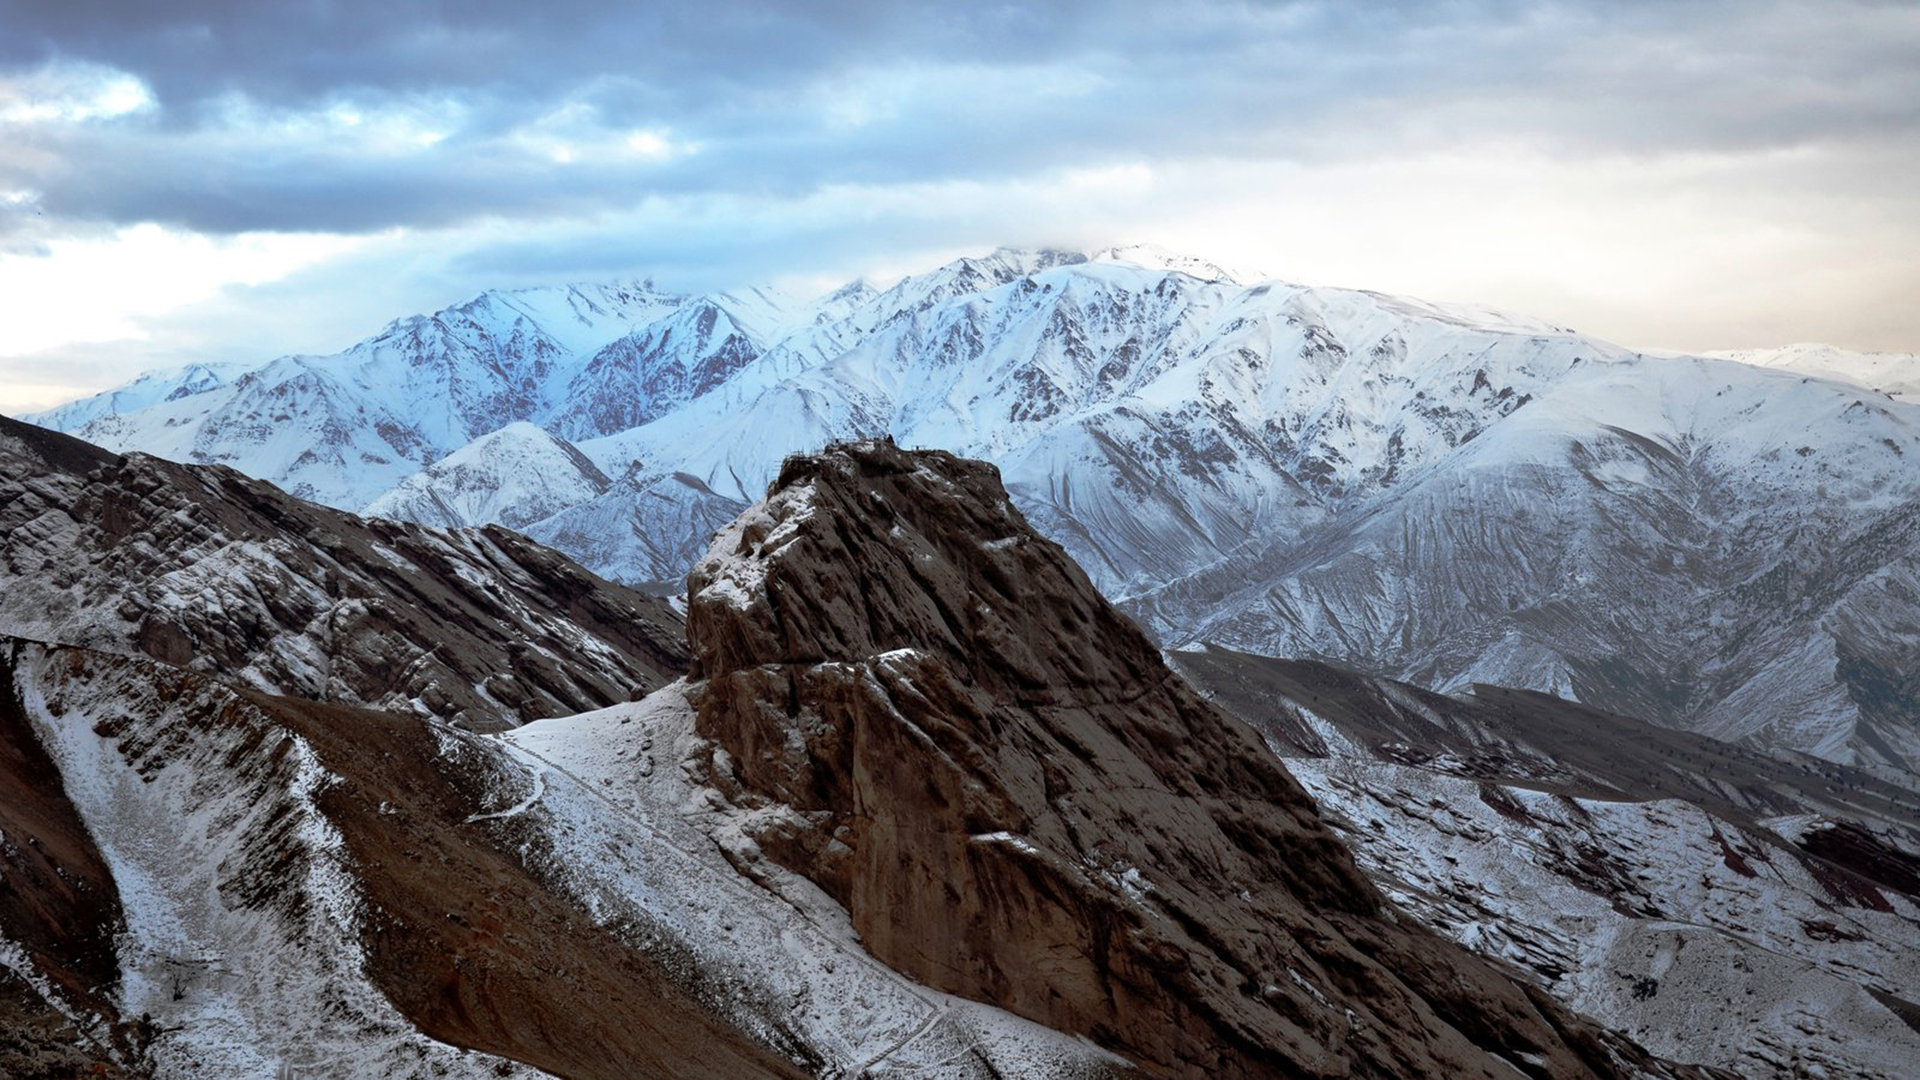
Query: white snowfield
(1895, 374)
(1441, 493)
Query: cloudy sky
(232, 179)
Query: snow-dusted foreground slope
(1720, 907)
(1435, 492)
(310, 891)
(238, 952)
(635, 840)
(204, 878)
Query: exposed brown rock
(1019, 803)
(467, 941)
(474, 947)
(58, 904)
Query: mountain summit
(925, 708)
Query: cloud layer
(515, 141)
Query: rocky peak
(931, 713)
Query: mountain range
(1437, 493)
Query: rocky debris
(938, 720)
(204, 568)
(1719, 905)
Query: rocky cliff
(929, 711)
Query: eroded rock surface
(204, 568)
(940, 722)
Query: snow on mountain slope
(148, 389)
(1227, 406)
(207, 880)
(656, 368)
(1691, 541)
(331, 892)
(1434, 491)
(1693, 894)
(205, 568)
(1155, 257)
(343, 429)
(632, 837)
(513, 477)
(1895, 374)
(295, 422)
(240, 900)
(645, 530)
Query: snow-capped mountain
(640, 530)
(1441, 493)
(1894, 374)
(342, 429)
(515, 476)
(148, 389)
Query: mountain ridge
(1277, 467)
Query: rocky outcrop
(204, 568)
(933, 715)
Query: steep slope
(204, 568)
(303, 889)
(653, 370)
(59, 916)
(1697, 542)
(514, 476)
(250, 885)
(923, 707)
(205, 880)
(1719, 905)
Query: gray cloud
(777, 99)
(722, 142)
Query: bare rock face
(940, 722)
(203, 568)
